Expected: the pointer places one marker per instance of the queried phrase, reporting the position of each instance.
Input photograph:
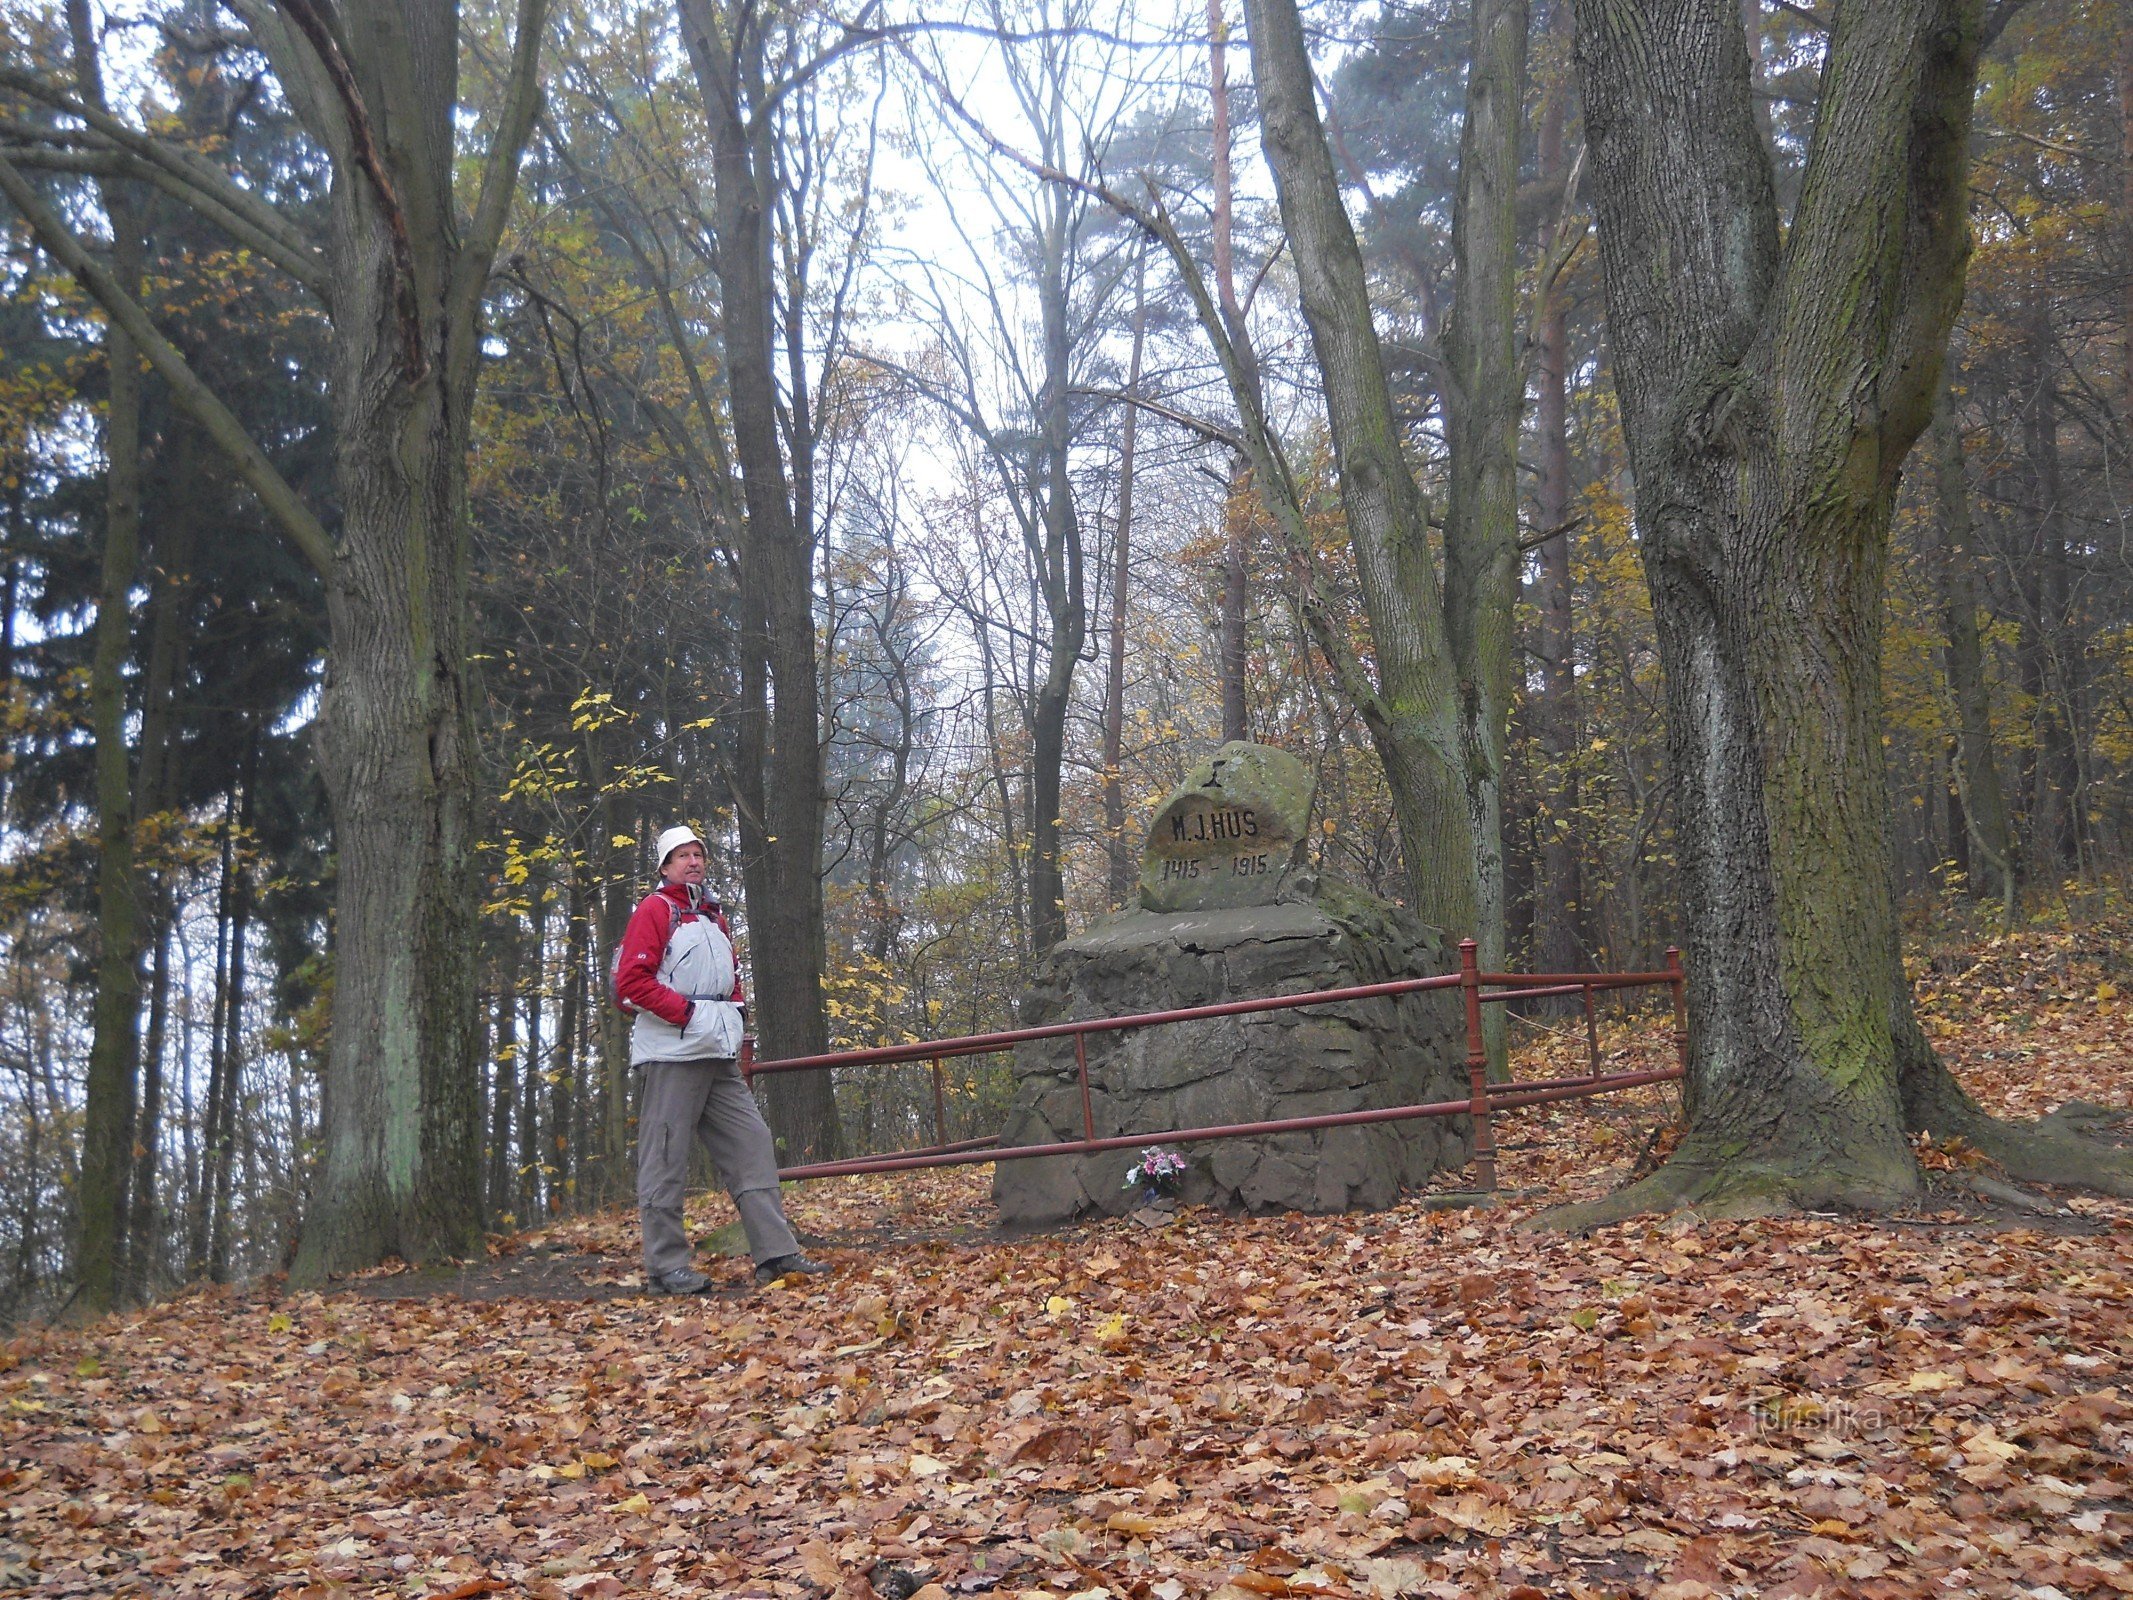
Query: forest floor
(1421, 1401)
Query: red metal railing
(1483, 1098)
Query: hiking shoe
(682, 1280)
(788, 1267)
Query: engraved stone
(1231, 834)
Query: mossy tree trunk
(1412, 713)
(1770, 392)
(1484, 395)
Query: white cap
(674, 838)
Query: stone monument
(1230, 910)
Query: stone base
(1257, 1068)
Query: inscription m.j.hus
(1209, 827)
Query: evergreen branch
(198, 178)
(199, 402)
(105, 163)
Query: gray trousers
(689, 1100)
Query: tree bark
(200, 1222)
(1769, 395)
(1484, 397)
(154, 786)
(2125, 179)
(1559, 937)
(1413, 716)
(1123, 877)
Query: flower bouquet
(1158, 1174)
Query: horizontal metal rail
(1483, 1099)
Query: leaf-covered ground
(1417, 1402)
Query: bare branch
(522, 102)
(1212, 433)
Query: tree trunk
(155, 784)
(1059, 570)
(612, 1182)
(1485, 394)
(1414, 717)
(1559, 943)
(534, 997)
(400, 1169)
(1989, 840)
(2125, 180)
(2054, 825)
(114, 1049)
(402, 273)
(1123, 877)
(1769, 395)
(1230, 651)
(222, 1152)
(503, 1084)
(144, 1223)
(202, 1180)
(561, 1156)
(779, 753)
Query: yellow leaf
(1112, 1330)
(574, 1469)
(621, 841)
(1059, 1305)
(1586, 1318)
(636, 1503)
(2106, 991)
(600, 1461)
(279, 1323)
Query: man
(676, 972)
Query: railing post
(1592, 1031)
(1477, 1067)
(748, 1058)
(940, 1117)
(1678, 981)
(1081, 1066)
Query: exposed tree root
(2051, 1150)
(1716, 1180)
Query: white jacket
(698, 963)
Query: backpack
(614, 961)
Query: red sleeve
(719, 917)
(644, 946)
